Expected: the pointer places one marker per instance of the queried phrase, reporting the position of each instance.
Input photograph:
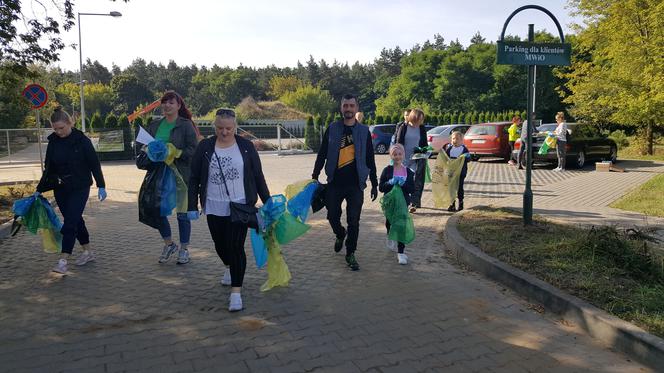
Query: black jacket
(254, 180)
(407, 188)
(70, 163)
(401, 135)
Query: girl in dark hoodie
(70, 164)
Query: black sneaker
(339, 243)
(460, 206)
(352, 262)
(452, 207)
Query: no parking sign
(36, 95)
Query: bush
(620, 138)
(111, 121)
(96, 122)
(311, 137)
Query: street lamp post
(80, 59)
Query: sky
(282, 32)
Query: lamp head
(115, 14)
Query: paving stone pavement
(126, 312)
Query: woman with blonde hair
(413, 137)
(561, 134)
(70, 164)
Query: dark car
(488, 140)
(382, 136)
(584, 143)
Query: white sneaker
(61, 267)
(85, 257)
(557, 169)
(226, 280)
(235, 302)
(402, 258)
(391, 244)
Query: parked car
(382, 135)
(488, 140)
(438, 137)
(584, 143)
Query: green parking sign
(524, 53)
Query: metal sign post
(531, 54)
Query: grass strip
(604, 266)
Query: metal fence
(28, 146)
(269, 137)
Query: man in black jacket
(347, 154)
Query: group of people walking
(224, 171)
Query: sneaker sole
(86, 262)
(235, 310)
(179, 262)
(58, 271)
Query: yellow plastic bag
(445, 179)
(277, 270)
(51, 240)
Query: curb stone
(609, 330)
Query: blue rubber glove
(467, 155)
(101, 193)
(401, 181)
(392, 181)
(192, 215)
(36, 194)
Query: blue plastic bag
(21, 206)
(259, 248)
(272, 210)
(168, 192)
(157, 151)
(299, 205)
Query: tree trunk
(649, 138)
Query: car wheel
(613, 154)
(580, 159)
(381, 148)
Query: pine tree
(318, 130)
(96, 122)
(446, 118)
(111, 121)
(480, 117)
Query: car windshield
(436, 130)
(481, 130)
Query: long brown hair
(183, 112)
(59, 115)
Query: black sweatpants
(460, 191)
(71, 204)
(420, 174)
(400, 245)
(354, 197)
(229, 240)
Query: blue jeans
(184, 227)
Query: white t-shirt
(456, 151)
(217, 201)
(561, 131)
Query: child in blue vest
(397, 174)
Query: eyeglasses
(225, 113)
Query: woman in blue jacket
(70, 164)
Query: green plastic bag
(395, 209)
(289, 228)
(37, 220)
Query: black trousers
(522, 153)
(460, 191)
(71, 204)
(229, 240)
(420, 174)
(400, 245)
(354, 198)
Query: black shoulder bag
(240, 212)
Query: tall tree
(618, 73)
